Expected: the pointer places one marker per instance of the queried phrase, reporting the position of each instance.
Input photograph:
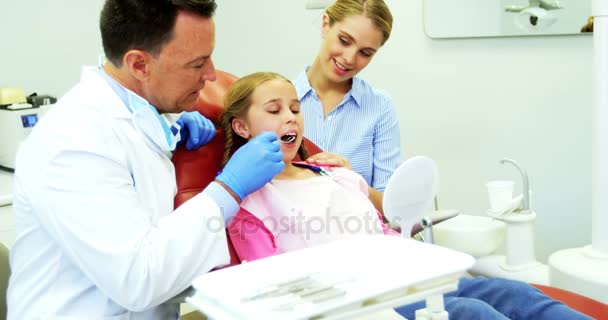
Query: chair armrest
(580, 303)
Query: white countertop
(6, 183)
(7, 217)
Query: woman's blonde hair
(376, 10)
(236, 105)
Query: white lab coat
(96, 235)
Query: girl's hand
(329, 159)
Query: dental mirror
(410, 192)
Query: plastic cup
(500, 193)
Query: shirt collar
(357, 91)
(303, 88)
(302, 84)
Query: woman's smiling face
(348, 46)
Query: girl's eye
(343, 41)
(366, 54)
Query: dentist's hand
(253, 165)
(196, 130)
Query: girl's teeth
(289, 138)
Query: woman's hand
(329, 159)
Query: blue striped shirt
(364, 128)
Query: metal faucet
(525, 186)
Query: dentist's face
(348, 46)
(275, 107)
(183, 65)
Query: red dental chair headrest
(195, 169)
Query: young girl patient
(303, 205)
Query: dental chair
(582, 304)
(590, 307)
(195, 169)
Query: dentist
(96, 233)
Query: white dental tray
(333, 281)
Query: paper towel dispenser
(40, 100)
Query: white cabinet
(7, 216)
(7, 226)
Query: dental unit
(519, 261)
(583, 270)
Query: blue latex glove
(253, 165)
(196, 130)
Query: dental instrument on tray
(281, 288)
(306, 287)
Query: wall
(465, 102)
(43, 43)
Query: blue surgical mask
(149, 122)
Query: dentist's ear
(240, 127)
(137, 61)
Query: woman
(343, 113)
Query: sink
(476, 235)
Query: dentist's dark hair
(237, 103)
(143, 24)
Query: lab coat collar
(128, 106)
(110, 103)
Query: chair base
(580, 271)
(496, 266)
